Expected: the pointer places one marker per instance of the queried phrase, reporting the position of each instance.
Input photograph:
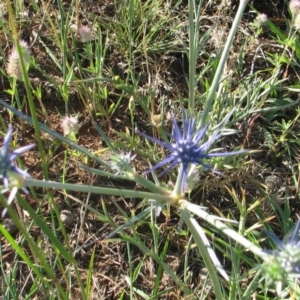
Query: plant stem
(215, 221)
(203, 248)
(169, 199)
(220, 68)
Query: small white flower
(261, 19)
(295, 7)
(83, 33)
(69, 125)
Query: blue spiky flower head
(283, 265)
(188, 146)
(8, 170)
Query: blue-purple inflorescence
(8, 169)
(283, 265)
(187, 146)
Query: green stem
(177, 189)
(98, 190)
(215, 221)
(192, 56)
(194, 25)
(203, 248)
(237, 260)
(224, 56)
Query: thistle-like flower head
(284, 262)
(8, 169)
(121, 162)
(288, 249)
(187, 146)
(7, 159)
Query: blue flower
(188, 146)
(8, 169)
(284, 263)
(288, 249)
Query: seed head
(69, 125)
(261, 19)
(13, 67)
(295, 7)
(83, 33)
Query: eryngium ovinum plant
(189, 151)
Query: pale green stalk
(241, 230)
(220, 69)
(215, 221)
(177, 187)
(194, 26)
(28, 182)
(204, 247)
(133, 176)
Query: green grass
(145, 60)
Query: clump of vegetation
(150, 150)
